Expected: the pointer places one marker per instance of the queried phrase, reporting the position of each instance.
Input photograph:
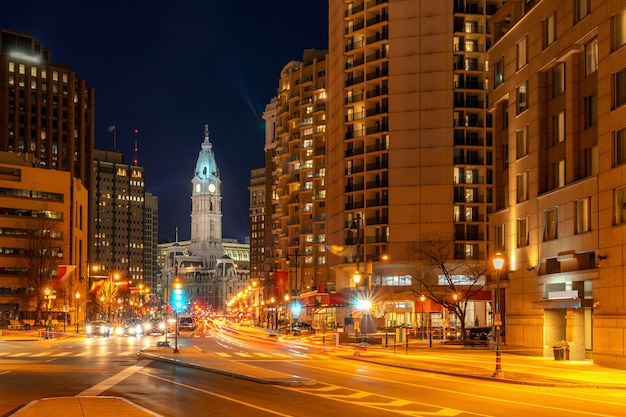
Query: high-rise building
(296, 146)
(119, 225)
(558, 99)
(46, 110)
(257, 224)
(151, 238)
(409, 142)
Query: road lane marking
(114, 380)
(243, 354)
(223, 397)
(263, 355)
(223, 355)
(17, 355)
(61, 354)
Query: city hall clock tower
(206, 206)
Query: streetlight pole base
(175, 350)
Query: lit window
(591, 57)
(522, 103)
(620, 205)
(581, 9)
(522, 142)
(522, 232)
(558, 122)
(619, 29)
(522, 187)
(499, 72)
(11, 66)
(549, 30)
(33, 71)
(499, 237)
(522, 53)
(559, 174)
(22, 69)
(583, 215)
(559, 78)
(550, 224)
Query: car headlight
(119, 331)
(147, 326)
(162, 326)
(88, 329)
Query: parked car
(479, 333)
(99, 328)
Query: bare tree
(447, 281)
(106, 295)
(43, 255)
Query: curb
(538, 380)
(289, 381)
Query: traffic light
(178, 293)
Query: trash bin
(27, 326)
(559, 353)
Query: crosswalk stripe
(17, 355)
(61, 354)
(318, 355)
(263, 355)
(223, 355)
(128, 352)
(243, 354)
(38, 355)
(282, 355)
(4, 353)
(83, 354)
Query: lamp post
(47, 292)
(77, 296)
(422, 299)
(498, 262)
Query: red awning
(483, 295)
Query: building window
(522, 187)
(522, 52)
(581, 9)
(550, 224)
(559, 79)
(590, 162)
(522, 232)
(522, 142)
(549, 30)
(499, 237)
(620, 205)
(522, 104)
(558, 174)
(591, 57)
(499, 72)
(619, 29)
(591, 110)
(583, 215)
(620, 146)
(558, 123)
(620, 87)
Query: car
(133, 327)
(186, 323)
(302, 329)
(479, 333)
(99, 328)
(245, 323)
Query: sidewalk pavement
(83, 407)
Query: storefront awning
(549, 304)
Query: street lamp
(498, 262)
(77, 295)
(422, 299)
(47, 292)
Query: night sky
(168, 68)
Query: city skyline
(140, 60)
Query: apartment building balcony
(377, 221)
(378, 147)
(354, 151)
(355, 80)
(472, 236)
(474, 218)
(469, 103)
(469, 160)
(355, 63)
(470, 85)
(377, 111)
(469, 122)
(354, 205)
(354, 170)
(461, 197)
(371, 185)
(378, 165)
(377, 202)
(354, 187)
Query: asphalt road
(342, 387)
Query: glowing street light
(498, 262)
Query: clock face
(197, 188)
(212, 188)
